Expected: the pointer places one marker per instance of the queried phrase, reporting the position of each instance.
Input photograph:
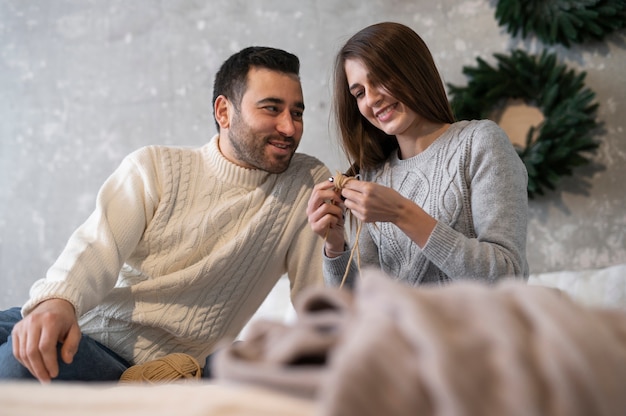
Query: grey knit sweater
(182, 249)
(474, 184)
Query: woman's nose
(373, 97)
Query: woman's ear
(222, 112)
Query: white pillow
(594, 287)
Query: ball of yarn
(172, 367)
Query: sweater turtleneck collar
(229, 172)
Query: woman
(438, 200)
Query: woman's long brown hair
(398, 60)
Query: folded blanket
(461, 349)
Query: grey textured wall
(83, 83)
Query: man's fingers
(15, 344)
(70, 344)
(48, 352)
(30, 356)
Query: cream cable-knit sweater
(182, 249)
(474, 184)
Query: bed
(556, 346)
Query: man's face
(265, 131)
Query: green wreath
(560, 94)
(562, 21)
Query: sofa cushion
(596, 287)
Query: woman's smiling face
(376, 104)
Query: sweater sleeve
(335, 268)
(304, 260)
(498, 200)
(88, 267)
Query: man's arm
(87, 269)
(304, 265)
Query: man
(184, 244)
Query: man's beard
(250, 147)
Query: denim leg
(8, 319)
(206, 371)
(92, 362)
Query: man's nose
(286, 125)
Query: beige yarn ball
(172, 367)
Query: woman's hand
(371, 202)
(325, 212)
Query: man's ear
(222, 111)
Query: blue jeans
(92, 362)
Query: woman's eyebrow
(354, 86)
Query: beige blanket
(463, 349)
(172, 399)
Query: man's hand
(325, 214)
(35, 338)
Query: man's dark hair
(231, 79)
